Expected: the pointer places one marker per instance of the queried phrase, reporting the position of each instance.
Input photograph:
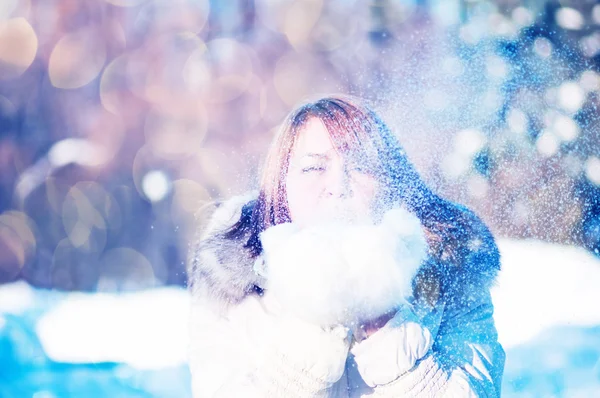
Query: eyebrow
(317, 155)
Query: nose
(340, 185)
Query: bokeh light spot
(76, 150)
(596, 13)
(571, 96)
(517, 121)
(455, 165)
(569, 18)
(77, 59)
(547, 143)
(18, 47)
(477, 186)
(125, 269)
(174, 136)
(589, 80)
(299, 20)
(125, 3)
(294, 77)
(156, 185)
(592, 170)
(189, 196)
(86, 210)
(542, 47)
(566, 128)
(468, 142)
(113, 85)
(522, 16)
(17, 243)
(221, 71)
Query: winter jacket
(234, 352)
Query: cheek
(302, 197)
(307, 203)
(366, 188)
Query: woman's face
(321, 184)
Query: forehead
(313, 137)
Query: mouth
(346, 213)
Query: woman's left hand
(392, 350)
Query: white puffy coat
(237, 332)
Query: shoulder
(220, 269)
(478, 254)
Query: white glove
(392, 350)
(288, 347)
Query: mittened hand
(281, 338)
(392, 350)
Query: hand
(318, 351)
(392, 350)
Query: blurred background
(119, 119)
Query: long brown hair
(356, 130)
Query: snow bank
(542, 285)
(147, 329)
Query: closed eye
(313, 169)
(361, 169)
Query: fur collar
(221, 271)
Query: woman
(337, 154)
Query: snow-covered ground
(547, 311)
(147, 329)
(547, 303)
(543, 285)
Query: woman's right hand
(293, 345)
